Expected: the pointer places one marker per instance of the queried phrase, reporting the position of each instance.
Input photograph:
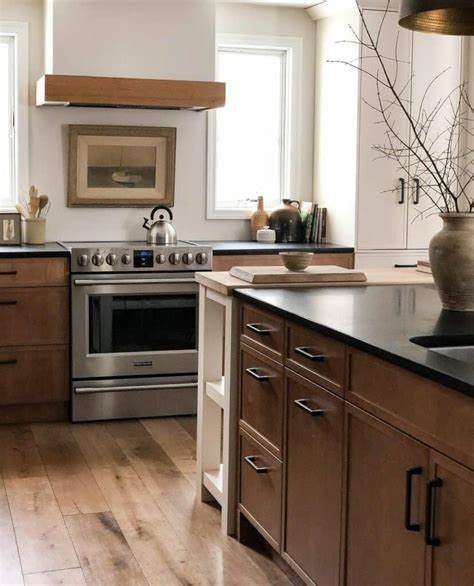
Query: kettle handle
(298, 203)
(161, 208)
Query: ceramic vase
(452, 261)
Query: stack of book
(314, 222)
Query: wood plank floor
(113, 503)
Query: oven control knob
(175, 258)
(98, 260)
(160, 259)
(112, 259)
(126, 259)
(188, 258)
(202, 258)
(83, 260)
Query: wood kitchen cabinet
(226, 262)
(34, 339)
(385, 477)
(313, 480)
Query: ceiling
(292, 3)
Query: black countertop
(50, 249)
(380, 321)
(238, 247)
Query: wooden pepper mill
(259, 219)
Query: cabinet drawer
(438, 416)
(263, 331)
(260, 488)
(34, 375)
(317, 357)
(32, 317)
(261, 399)
(34, 272)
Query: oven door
(134, 325)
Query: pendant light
(448, 17)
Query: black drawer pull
(8, 273)
(259, 329)
(260, 377)
(5, 362)
(258, 469)
(431, 486)
(409, 526)
(301, 403)
(11, 302)
(304, 351)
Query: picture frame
(121, 166)
(10, 229)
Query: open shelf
(215, 391)
(212, 480)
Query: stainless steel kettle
(160, 231)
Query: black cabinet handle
(258, 469)
(416, 197)
(301, 403)
(260, 377)
(10, 302)
(431, 486)
(397, 266)
(259, 329)
(304, 351)
(6, 273)
(5, 362)
(401, 199)
(409, 526)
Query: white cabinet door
(432, 55)
(382, 220)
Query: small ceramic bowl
(296, 261)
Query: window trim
(19, 32)
(293, 47)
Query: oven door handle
(93, 282)
(91, 390)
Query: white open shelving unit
(217, 403)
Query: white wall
(292, 22)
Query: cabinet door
(385, 477)
(451, 560)
(313, 480)
(381, 218)
(433, 55)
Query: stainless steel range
(134, 328)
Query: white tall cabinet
(371, 203)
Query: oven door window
(142, 323)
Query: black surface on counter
(238, 247)
(380, 321)
(50, 249)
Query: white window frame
(18, 31)
(293, 48)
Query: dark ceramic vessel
(286, 221)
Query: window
(13, 112)
(252, 140)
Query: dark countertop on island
(50, 249)
(380, 321)
(243, 247)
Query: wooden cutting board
(313, 274)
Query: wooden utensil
(34, 202)
(20, 208)
(43, 202)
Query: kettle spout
(146, 223)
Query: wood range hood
(125, 92)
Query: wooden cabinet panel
(34, 316)
(452, 562)
(261, 399)
(263, 330)
(34, 375)
(380, 464)
(313, 480)
(317, 357)
(438, 416)
(225, 263)
(34, 272)
(260, 488)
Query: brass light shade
(446, 17)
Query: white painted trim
(293, 47)
(19, 31)
(325, 8)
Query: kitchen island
(343, 431)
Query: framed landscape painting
(121, 166)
